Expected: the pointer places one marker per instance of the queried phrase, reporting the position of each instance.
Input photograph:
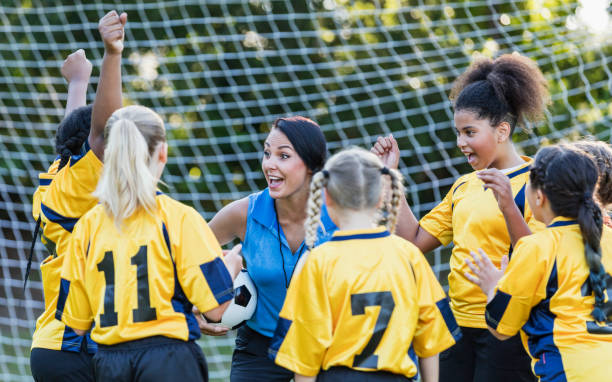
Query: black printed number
(367, 358)
(144, 312)
(592, 326)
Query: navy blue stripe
(44, 181)
(562, 223)
(167, 240)
(496, 309)
(539, 329)
(282, 327)
(92, 347)
(218, 279)
(449, 319)
(455, 190)
(519, 199)
(86, 146)
(61, 299)
(361, 236)
(65, 222)
(158, 193)
(519, 171)
(71, 341)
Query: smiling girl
(484, 209)
(270, 225)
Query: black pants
(150, 360)
(250, 362)
(480, 357)
(345, 374)
(61, 366)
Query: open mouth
(274, 181)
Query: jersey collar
(522, 169)
(372, 233)
(561, 221)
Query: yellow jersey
(545, 292)
(470, 217)
(61, 199)
(366, 300)
(140, 280)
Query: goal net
(221, 71)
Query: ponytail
(568, 177)
(128, 181)
(72, 133)
(397, 190)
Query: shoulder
(175, 210)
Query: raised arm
(108, 97)
(408, 227)
(76, 69)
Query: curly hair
(72, 133)
(510, 89)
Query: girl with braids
(486, 208)
(602, 154)
(556, 289)
(326, 331)
(270, 225)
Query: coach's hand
(112, 31)
(76, 67)
(387, 150)
(208, 328)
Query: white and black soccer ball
(243, 305)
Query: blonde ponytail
(315, 202)
(128, 182)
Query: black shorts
(61, 366)
(250, 362)
(480, 357)
(345, 374)
(151, 359)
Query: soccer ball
(243, 305)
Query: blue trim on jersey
(360, 236)
(562, 223)
(71, 341)
(61, 298)
(415, 360)
(44, 181)
(539, 329)
(496, 308)
(65, 222)
(179, 301)
(519, 172)
(456, 188)
(282, 327)
(84, 150)
(445, 309)
(92, 347)
(219, 280)
(519, 199)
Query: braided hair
(354, 180)
(568, 177)
(601, 153)
(509, 89)
(72, 133)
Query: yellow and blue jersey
(140, 280)
(44, 181)
(366, 300)
(61, 199)
(545, 292)
(469, 216)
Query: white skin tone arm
(303, 378)
(76, 69)
(430, 368)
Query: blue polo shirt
(260, 249)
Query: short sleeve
(521, 288)
(437, 329)
(304, 329)
(201, 270)
(439, 221)
(73, 307)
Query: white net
(221, 71)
